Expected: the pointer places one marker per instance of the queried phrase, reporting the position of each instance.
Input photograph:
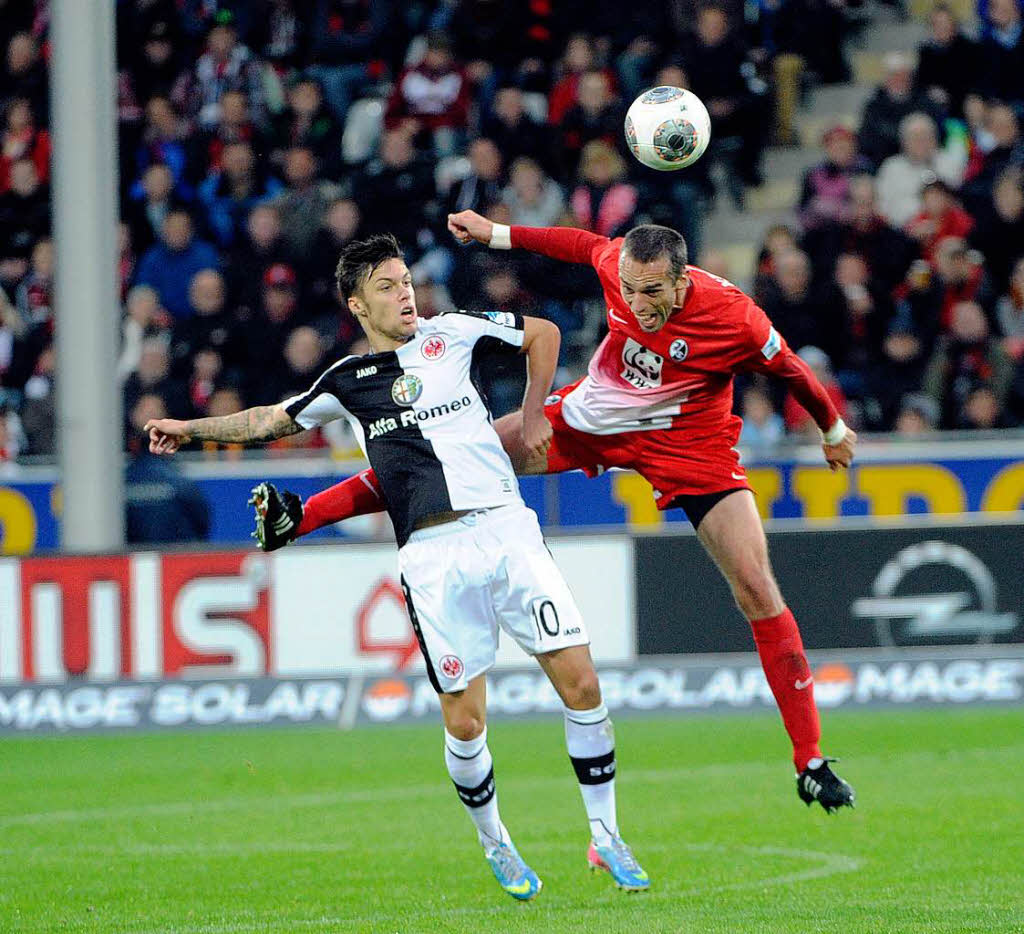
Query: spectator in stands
(1010, 310)
(342, 224)
(902, 178)
(881, 133)
(302, 205)
(887, 251)
(26, 76)
(825, 194)
(763, 428)
(161, 506)
(22, 139)
(156, 59)
(145, 215)
(533, 199)
(281, 35)
(234, 126)
(981, 411)
(918, 415)
(604, 202)
(226, 64)
(346, 37)
(231, 192)
(579, 58)
(432, 98)
(961, 276)
(964, 359)
(153, 375)
(778, 239)
(169, 265)
(24, 217)
(595, 115)
(1005, 150)
(802, 314)
(948, 63)
(715, 59)
(266, 338)
(144, 317)
(262, 246)
(308, 122)
(1002, 53)
(515, 132)
(483, 185)
(855, 346)
(300, 365)
(1000, 231)
(211, 326)
(940, 216)
(164, 142)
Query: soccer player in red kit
(657, 398)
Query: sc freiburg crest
(406, 389)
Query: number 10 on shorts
(545, 617)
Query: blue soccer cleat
(617, 860)
(512, 873)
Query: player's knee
(465, 724)
(583, 692)
(756, 592)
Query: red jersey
(679, 377)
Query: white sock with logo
(472, 771)
(590, 739)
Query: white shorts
(464, 579)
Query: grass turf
(317, 831)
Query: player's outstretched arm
(261, 423)
(541, 340)
(569, 244)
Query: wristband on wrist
(835, 434)
(501, 237)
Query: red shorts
(672, 460)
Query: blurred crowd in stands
(258, 138)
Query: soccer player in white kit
(471, 554)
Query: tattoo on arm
(262, 423)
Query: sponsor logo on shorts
(406, 389)
(679, 350)
(433, 348)
(642, 367)
(451, 666)
(552, 399)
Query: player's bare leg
(734, 537)
(590, 739)
(472, 772)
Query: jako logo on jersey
(450, 665)
(505, 318)
(409, 417)
(406, 389)
(773, 345)
(366, 371)
(678, 350)
(642, 366)
(433, 347)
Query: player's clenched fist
(537, 433)
(166, 435)
(841, 454)
(467, 226)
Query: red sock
(785, 665)
(355, 496)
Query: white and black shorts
(464, 579)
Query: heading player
(471, 554)
(657, 398)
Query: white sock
(472, 770)
(590, 739)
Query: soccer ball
(668, 128)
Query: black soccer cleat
(278, 514)
(825, 787)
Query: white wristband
(835, 434)
(501, 237)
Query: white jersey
(421, 418)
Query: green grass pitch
(324, 831)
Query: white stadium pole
(82, 90)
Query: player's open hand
(537, 433)
(467, 226)
(166, 435)
(841, 455)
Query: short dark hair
(649, 242)
(360, 258)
